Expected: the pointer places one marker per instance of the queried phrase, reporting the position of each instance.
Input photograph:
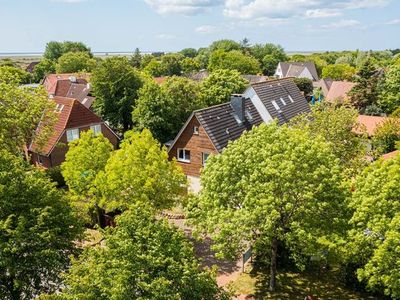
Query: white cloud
(166, 36)
(322, 13)
(208, 29)
(393, 22)
(69, 1)
(342, 24)
(185, 7)
(359, 4)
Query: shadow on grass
(295, 285)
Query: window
(283, 101)
(204, 158)
(248, 115)
(72, 134)
(96, 129)
(40, 160)
(290, 98)
(237, 118)
(183, 155)
(59, 107)
(195, 130)
(275, 104)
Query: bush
(55, 175)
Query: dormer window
(59, 107)
(283, 101)
(196, 130)
(290, 98)
(237, 118)
(275, 104)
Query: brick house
(208, 131)
(73, 118)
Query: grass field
(293, 285)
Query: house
(70, 86)
(390, 155)
(369, 124)
(72, 118)
(338, 91)
(324, 84)
(297, 69)
(208, 131)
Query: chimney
(237, 103)
(72, 79)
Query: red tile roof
(338, 91)
(370, 123)
(50, 82)
(390, 155)
(160, 80)
(72, 115)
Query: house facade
(208, 131)
(297, 69)
(72, 119)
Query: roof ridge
(273, 80)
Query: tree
(146, 259)
(74, 62)
(14, 75)
(37, 231)
(20, 113)
(269, 55)
(189, 65)
(54, 50)
(389, 98)
(233, 60)
(154, 68)
(365, 93)
(171, 64)
(218, 87)
(335, 124)
(116, 84)
(139, 172)
(225, 45)
(43, 68)
(136, 59)
(374, 235)
(256, 192)
(338, 72)
(189, 52)
(385, 136)
(85, 158)
(164, 109)
(305, 85)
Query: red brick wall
(197, 144)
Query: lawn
(293, 285)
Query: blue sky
(169, 25)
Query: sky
(171, 25)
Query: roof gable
(298, 68)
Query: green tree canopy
(136, 59)
(188, 52)
(140, 172)
(146, 259)
(374, 236)
(305, 85)
(14, 75)
(116, 84)
(74, 62)
(171, 64)
(389, 98)
(335, 124)
(338, 72)
(86, 157)
(225, 45)
(20, 113)
(43, 68)
(189, 65)
(233, 60)
(54, 50)
(164, 109)
(218, 87)
(37, 231)
(386, 135)
(269, 55)
(273, 186)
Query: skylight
(290, 98)
(283, 101)
(59, 107)
(275, 104)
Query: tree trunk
(274, 251)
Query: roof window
(275, 104)
(59, 107)
(290, 98)
(283, 101)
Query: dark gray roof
(221, 126)
(278, 90)
(285, 66)
(81, 92)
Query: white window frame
(248, 115)
(196, 130)
(40, 160)
(184, 159)
(283, 101)
(96, 128)
(275, 105)
(290, 98)
(72, 134)
(204, 160)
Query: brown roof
(160, 80)
(286, 66)
(390, 155)
(370, 123)
(339, 90)
(325, 84)
(51, 81)
(72, 115)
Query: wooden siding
(197, 144)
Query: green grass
(293, 285)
